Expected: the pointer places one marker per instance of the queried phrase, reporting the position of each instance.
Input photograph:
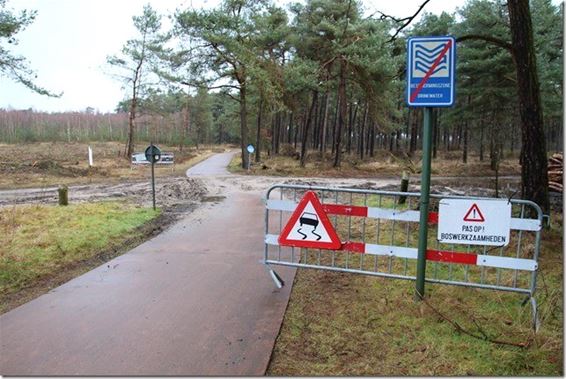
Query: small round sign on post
(153, 155)
(251, 150)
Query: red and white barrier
(409, 252)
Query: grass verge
(43, 246)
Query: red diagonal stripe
(431, 70)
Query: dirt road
(192, 301)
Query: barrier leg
(279, 283)
(534, 309)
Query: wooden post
(404, 187)
(63, 195)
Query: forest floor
(383, 164)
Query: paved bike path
(192, 301)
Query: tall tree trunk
(362, 131)
(533, 152)
(258, 130)
(277, 131)
(341, 114)
(481, 139)
(296, 132)
(243, 125)
(273, 134)
(465, 150)
(351, 122)
(335, 123)
(306, 128)
(324, 124)
(290, 128)
(131, 127)
(315, 123)
(492, 149)
(185, 125)
(317, 130)
(372, 140)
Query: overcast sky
(69, 41)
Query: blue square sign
(431, 63)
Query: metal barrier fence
(381, 240)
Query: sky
(68, 42)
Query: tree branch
(483, 336)
(406, 21)
(493, 40)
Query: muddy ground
(169, 192)
(178, 192)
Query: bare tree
(133, 61)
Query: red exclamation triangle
(474, 214)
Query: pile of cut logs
(555, 172)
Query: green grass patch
(38, 241)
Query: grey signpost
(153, 155)
(251, 150)
(430, 83)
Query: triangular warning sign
(474, 214)
(309, 226)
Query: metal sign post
(425, 198)
(153, 182)
(430, 83)
(153, 155)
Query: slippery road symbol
(309, 219)
(309, 226)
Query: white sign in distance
(251, 149)
(474, 222)
(90, 160)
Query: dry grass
(339, 324)
(55, 163)
(384, 164)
